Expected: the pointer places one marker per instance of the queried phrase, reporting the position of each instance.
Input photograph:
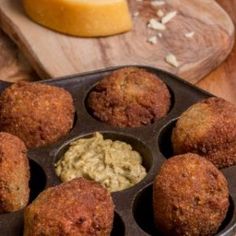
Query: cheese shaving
(172, 60)
(152, 40)
(156, 25)
(157, 3)
(189, 34)
(168, 17)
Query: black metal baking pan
(133, 212)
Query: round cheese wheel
(87, 18)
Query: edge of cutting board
(192, 71)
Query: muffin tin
(133, 213)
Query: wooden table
(221, 82)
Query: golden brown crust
(209, 129)
(190, 196)
(79, 207)
(14, 173)
(130, 97)
(37, 113)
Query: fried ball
(130, 97)
(14, 173)
(190, 197)
(208, 128)
(78, 207)
(37, 113)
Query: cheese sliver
(87, 18)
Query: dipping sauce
(114, 164)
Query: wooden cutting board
(53, 54)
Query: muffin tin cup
(133, 206)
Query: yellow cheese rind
(87, 18)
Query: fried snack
(78, 207)
(129, 97)
(209, 129)
(14, 173)
(190, 197)
(39, 114)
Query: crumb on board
(155, 24)
(160, 13)
(189, 34)
(136, 13)
(152, 39)
(172, 60)
(168, 17)
(157, 3)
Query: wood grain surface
(52, 54)
(222, 81)
(13, 65)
